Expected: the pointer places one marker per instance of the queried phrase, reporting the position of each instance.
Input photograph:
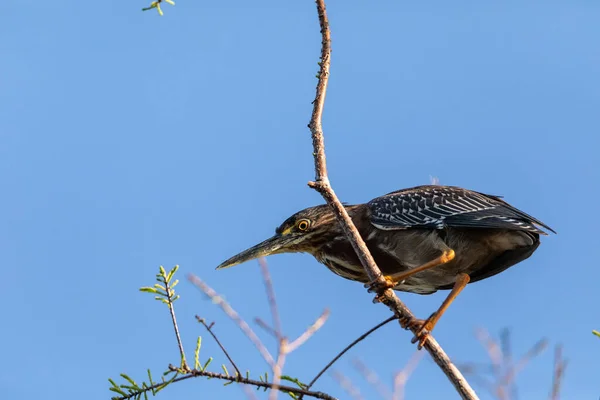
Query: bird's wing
(437, 207)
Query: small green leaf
(118, 390)
(160, 287)
(148, 289)
(225, 369)
(197, 353)
(175, 282)
(596, 333)
(126, 377)
(207, 363)
(171, 273)
(150, 377)
(293, 380)
(171, 2)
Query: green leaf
(148, 289)
(225, 369)
(207, 363)
(197, 353)
(172, 272)
(294, 380)
(171, 2)
(118, 390)
(596, 333)
(126, 377)
(175, 282)
(160, 287)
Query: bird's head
(303, 232)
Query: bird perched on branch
(424, 239)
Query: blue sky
(130, 140)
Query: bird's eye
(303, 224)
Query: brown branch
(351, 345)
(322, 185)
(209, 329)
(253, 382)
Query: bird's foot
(423, 329)
(379, 286)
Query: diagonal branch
(209, 329)
(322, 185)
(231, 313)
(351, 345)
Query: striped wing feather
(437, 207)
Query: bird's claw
(423, 329)
(380, 285)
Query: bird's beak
(274, 245)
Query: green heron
(424, 239)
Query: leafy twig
(207, 374)
(166, 294)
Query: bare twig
(322, 185)
(497, 358)
(278, 367)
(266, 327)
(401, 377)
(271, 297)
(372, 378)
(231, 313)
(308, 332)
(347, 385)
(351, 345)
(533, 352)
(209, 329)
(560, 364)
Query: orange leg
(427, 326)
(395, 279)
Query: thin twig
(308, 332)
(271, 297)
(533, 352)
(372, 378)
(169, 292)
(497, 358)
(249, 392)
(278, 367)
(347, 385)
(209, 329)
(266, 327)
(559, 371)
(351, 345)
(323, 186)
(231, 313)
(401, 377)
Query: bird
(423, 239)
